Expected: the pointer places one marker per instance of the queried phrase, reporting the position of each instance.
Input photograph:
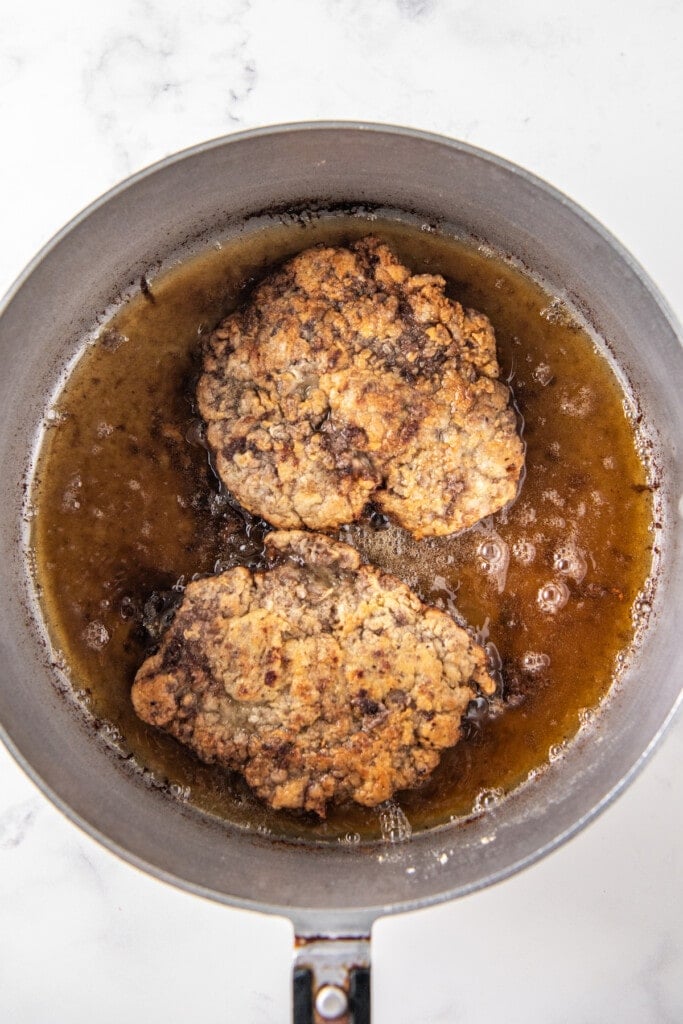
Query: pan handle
(331, 980)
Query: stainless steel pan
(162, 214)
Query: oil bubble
(570, 561)
(477, 710)
(552, 597)
(556, 752)
(543, 375)
(524, 551)
(111, 736)
(179, 792)
(494, 555)
(557, 312)
(641, 609)
(70, 498)
(393, 823)
(554, 497)
(495, 664)
(350, 839)
(96, 635)
(534, 661)
(486, 800)
(526, 515)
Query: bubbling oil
(127, 509)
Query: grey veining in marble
(586, 95)
(16, 821)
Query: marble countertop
(586, 95)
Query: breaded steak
(320, 679)
(344, 378)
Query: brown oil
(126, 505)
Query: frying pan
(332, 893)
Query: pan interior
(126, 509)
(171, 212)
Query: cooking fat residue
(126, 509)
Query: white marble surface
(587, 95)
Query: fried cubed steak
(320, 679)
(344, 378)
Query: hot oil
(126, 506)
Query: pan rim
(354, 920)
(374, 127)
(367, 913)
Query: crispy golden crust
(320, 680)
(345, 378)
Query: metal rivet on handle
(331, 1002)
